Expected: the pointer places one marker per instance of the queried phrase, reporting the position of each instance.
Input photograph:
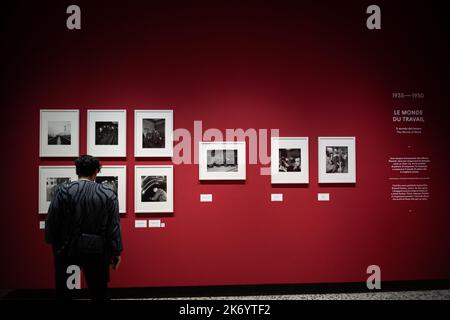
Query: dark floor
(395, 295)
(400, 290)
(399, 295)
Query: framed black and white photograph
(289, 160)
(153, 188)
(50, 179)
(59, 133)
(337, 160)
(153, 133)
(106, 133)
(114, 177)
(222, 161)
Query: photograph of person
(290, 160)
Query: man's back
(86, 205)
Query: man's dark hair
(87, 165)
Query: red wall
(308, 70)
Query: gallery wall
(307, 70)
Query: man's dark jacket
(88, 205)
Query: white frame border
(153, 207)
(120, 150)
(204, 146)
(63, 151)
(139, 115)
(349, 177)
(301, 143)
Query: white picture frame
(118, 173)
(146, 198)
(289, 160)
(48, 183)
(107, 133)
(214, 165)
(337, 159)
(59, 133)
(158, 126)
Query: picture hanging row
(106, 133)
(217, 161)
(289, 160)
(106, 137)
(153, 185)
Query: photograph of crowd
(153, 133)
(336, 159)
(106, 133)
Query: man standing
(83, 227)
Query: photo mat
(337, 159)
(153, 133)
(106, 134)
(222, 160)
(153, 189)
(59, 133)
(289, 160)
